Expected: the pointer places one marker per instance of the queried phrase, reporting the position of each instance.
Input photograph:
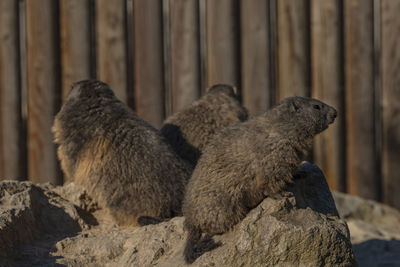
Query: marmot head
(89, 89)
(88, 98)
(89, 105)
(222, 88)
(311, 115)
(223, 98)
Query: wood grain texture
(10, 114)
(222, 52)
(203, 45)
(43, 84)
(327, 85)
(362, 176)
(391, 101)
(148, 60)
(75, 43)
(111, 45)
(184, 54)
(255, 58)
(293, 48)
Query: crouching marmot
(122, 161)
(190, 129)
(246, 162)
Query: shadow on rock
(87, 217)
(205, 244)
(378, 252)
(35, 216)
(312, 191)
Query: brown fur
(190, 129)
(121, 160)
(246, 162)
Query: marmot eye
(317, 107)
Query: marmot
(190, 129)
(246, 162)
(121, 160)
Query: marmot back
(246, 162)
(190, 129)
(121, 160)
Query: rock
(374, 230)
(28, 211)
(353, 208)
(163, 246)
(77, 195)
(301, 228)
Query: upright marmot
(246, 162)
(190, 129)
(121, 160)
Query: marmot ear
(295, 106)
(228, 89)
(235, 90)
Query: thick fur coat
(189, 130)
(121, 160)
(246, 162)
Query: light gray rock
(353, 208)
(28, 211)
(77, 195)
(374, 230)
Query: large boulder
(301, 228)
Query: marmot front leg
(299, 174)
(273, 186)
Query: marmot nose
(332, 115)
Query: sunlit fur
(121, 160)
(246, 162)
(190, 129)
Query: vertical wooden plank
(111, 45)
(390, 28)
(129, 53)
(327, 85)
(43, 83)
(148, 60)
(223, 60)
(273, 47)
(184, 54)
(75, 42)
(203, 45)
(255, 56)
(23, 127)
(166, 23)
(362, 176)
(10, 115)
(293, 48)
(378, 90)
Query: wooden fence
(160, 55)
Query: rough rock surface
(301, 228)
(374, 228)
(28, 211)
(48, 226)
